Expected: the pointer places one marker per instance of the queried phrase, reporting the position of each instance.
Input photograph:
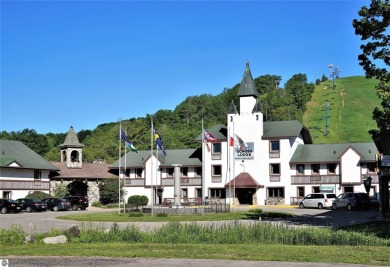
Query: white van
(318, 200)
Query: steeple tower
(247, 92)
(72, 150)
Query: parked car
(10, 205)
(351, 201)
(29, 204)
(56, 204)
(78, 202)
(317, 200)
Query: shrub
(38, 195)
(60, 191)
(96, 204)
(143, 200)
(137, 200)
(133, 200)
(256, 211)
(109, 191)
(14, 235)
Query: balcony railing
(315, 179)
(134, 182)
(25, 185)
(196, 181)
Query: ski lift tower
(331, 70)
(326, 107)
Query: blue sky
(84, 63)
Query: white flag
(239, 143)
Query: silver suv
(351, 201)
(318, 200)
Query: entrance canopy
(243, 180)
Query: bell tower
(72, 150)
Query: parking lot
(44, 221)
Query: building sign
(330, 188)
(385, 161)
(245, 152)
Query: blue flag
(158, 140)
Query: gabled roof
(186, 157)
(89, 170)
(332, 152)
(247, 86)
(16, 152)
(243, 180)
(71, 140)
(286, 129)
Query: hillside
(350, 110)
(349, 117)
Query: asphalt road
(140, 262)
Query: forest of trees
(179, 127)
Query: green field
(350, 104)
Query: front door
(245, 195)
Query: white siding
(350, 167)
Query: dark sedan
(9, 205)
(29, 204)
(56, 204)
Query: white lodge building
(278, 163)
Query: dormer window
(331, 168)
(315, 168)
(301, 168)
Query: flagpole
(203, 167)
(154, 192)
(234, 169)
(124, 176)
(228, 163)
(120, 159)
(151, 162)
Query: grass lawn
(115, 217)
(254, 251)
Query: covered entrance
(245, 195)
(78, 188)
(244, 188)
